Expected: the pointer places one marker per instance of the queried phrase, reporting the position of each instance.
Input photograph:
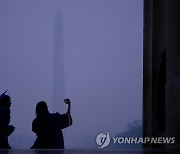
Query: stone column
(173, 70)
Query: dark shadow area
(48, 152)
(161, 104)
(4, 152)
(161, 73)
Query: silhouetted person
(5, 129)
(48, 127)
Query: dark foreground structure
(135, 151)
(161, 73)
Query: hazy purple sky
(99, 55)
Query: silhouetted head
(5, 100)
(41, 109)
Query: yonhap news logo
(103, 140)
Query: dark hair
(41, 109)
(5, 100)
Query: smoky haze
(87, 50)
